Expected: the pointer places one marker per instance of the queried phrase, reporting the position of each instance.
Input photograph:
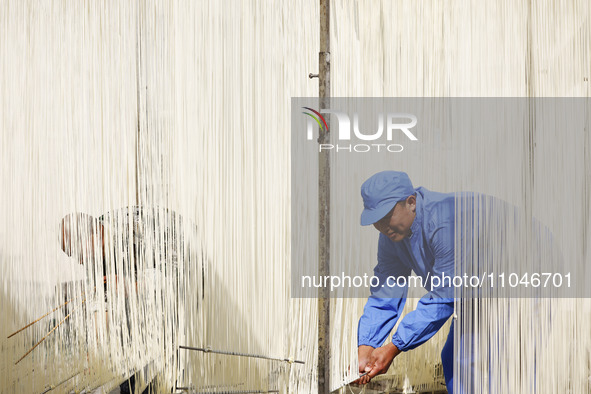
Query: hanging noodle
(166, 125)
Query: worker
(416, 234)
(92, 240)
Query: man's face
(396, 224)
(81, 237)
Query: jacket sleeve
(437, 305)
(386, 301)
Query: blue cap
(381, 192)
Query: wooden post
(324, 205)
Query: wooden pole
(37, 320)
(46, 335)
(324, 205)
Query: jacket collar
(415, 228)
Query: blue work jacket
(429, 252)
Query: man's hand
(363, 355)
(379, 361)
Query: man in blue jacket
(416, 234)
